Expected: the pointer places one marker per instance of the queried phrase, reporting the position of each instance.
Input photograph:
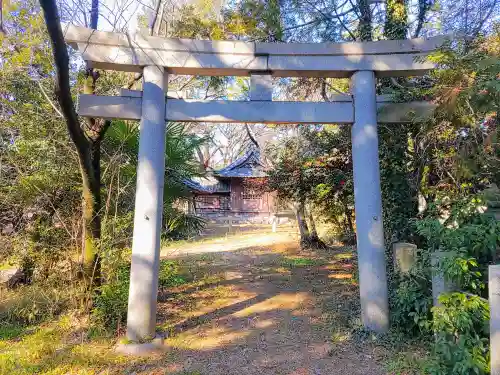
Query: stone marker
(440, 284)
(405, 256)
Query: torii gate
(155, 57)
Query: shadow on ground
(256, 306)
(268, 310)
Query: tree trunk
(423, 7)
(348, 215)
(92, 220)
(396, 21)
(399, 198)
(87, 142)
(91, 194)
(365, 21)
(91, 234)
(312, 224)
(308, 238)
(301, 222)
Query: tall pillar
(141, 319)
(494, 300)
(368, 204)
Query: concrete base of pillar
(145, 349)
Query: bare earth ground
(253, 304)
(267, 308)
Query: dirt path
(263, 307)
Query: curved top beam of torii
(131, 52)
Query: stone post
(141, 319)
(405, 257)
(368, 204)
(440, 284)
(275, 223)
(494, 301)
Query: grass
(62, 345)
(291, 262)
(10, 331)
(405, 363)
(198, 289)
(7, 265)
(52, 349)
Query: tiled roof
(208, 184)
(249, 165)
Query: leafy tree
(40, 188)
(459, 154)
(333, 192)
(180, 147)
(294, 177)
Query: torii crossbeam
(156, 57)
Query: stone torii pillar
(368, 204)
(141, 318)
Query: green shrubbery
(110, 303)
(460, 325)
(458, 328)
(170, 275)
(30, 304)
(412, 303)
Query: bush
(169, 274)
(412, 305)
(111, 302)
(180, 225)
(31, 304)
(468, 242)
(460, 326)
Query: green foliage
(179, 225)
(30, 304)
(399, 190)
(461, 330)
(254, 19)
(111, 301)
(315, 165)
(411, 310)
(9, 331)
(169, 275)
(110, 304)
(467, 241)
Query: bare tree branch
(48, 99)
(251, 137)
(155, 17)
(63, 90)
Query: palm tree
(180, 147)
